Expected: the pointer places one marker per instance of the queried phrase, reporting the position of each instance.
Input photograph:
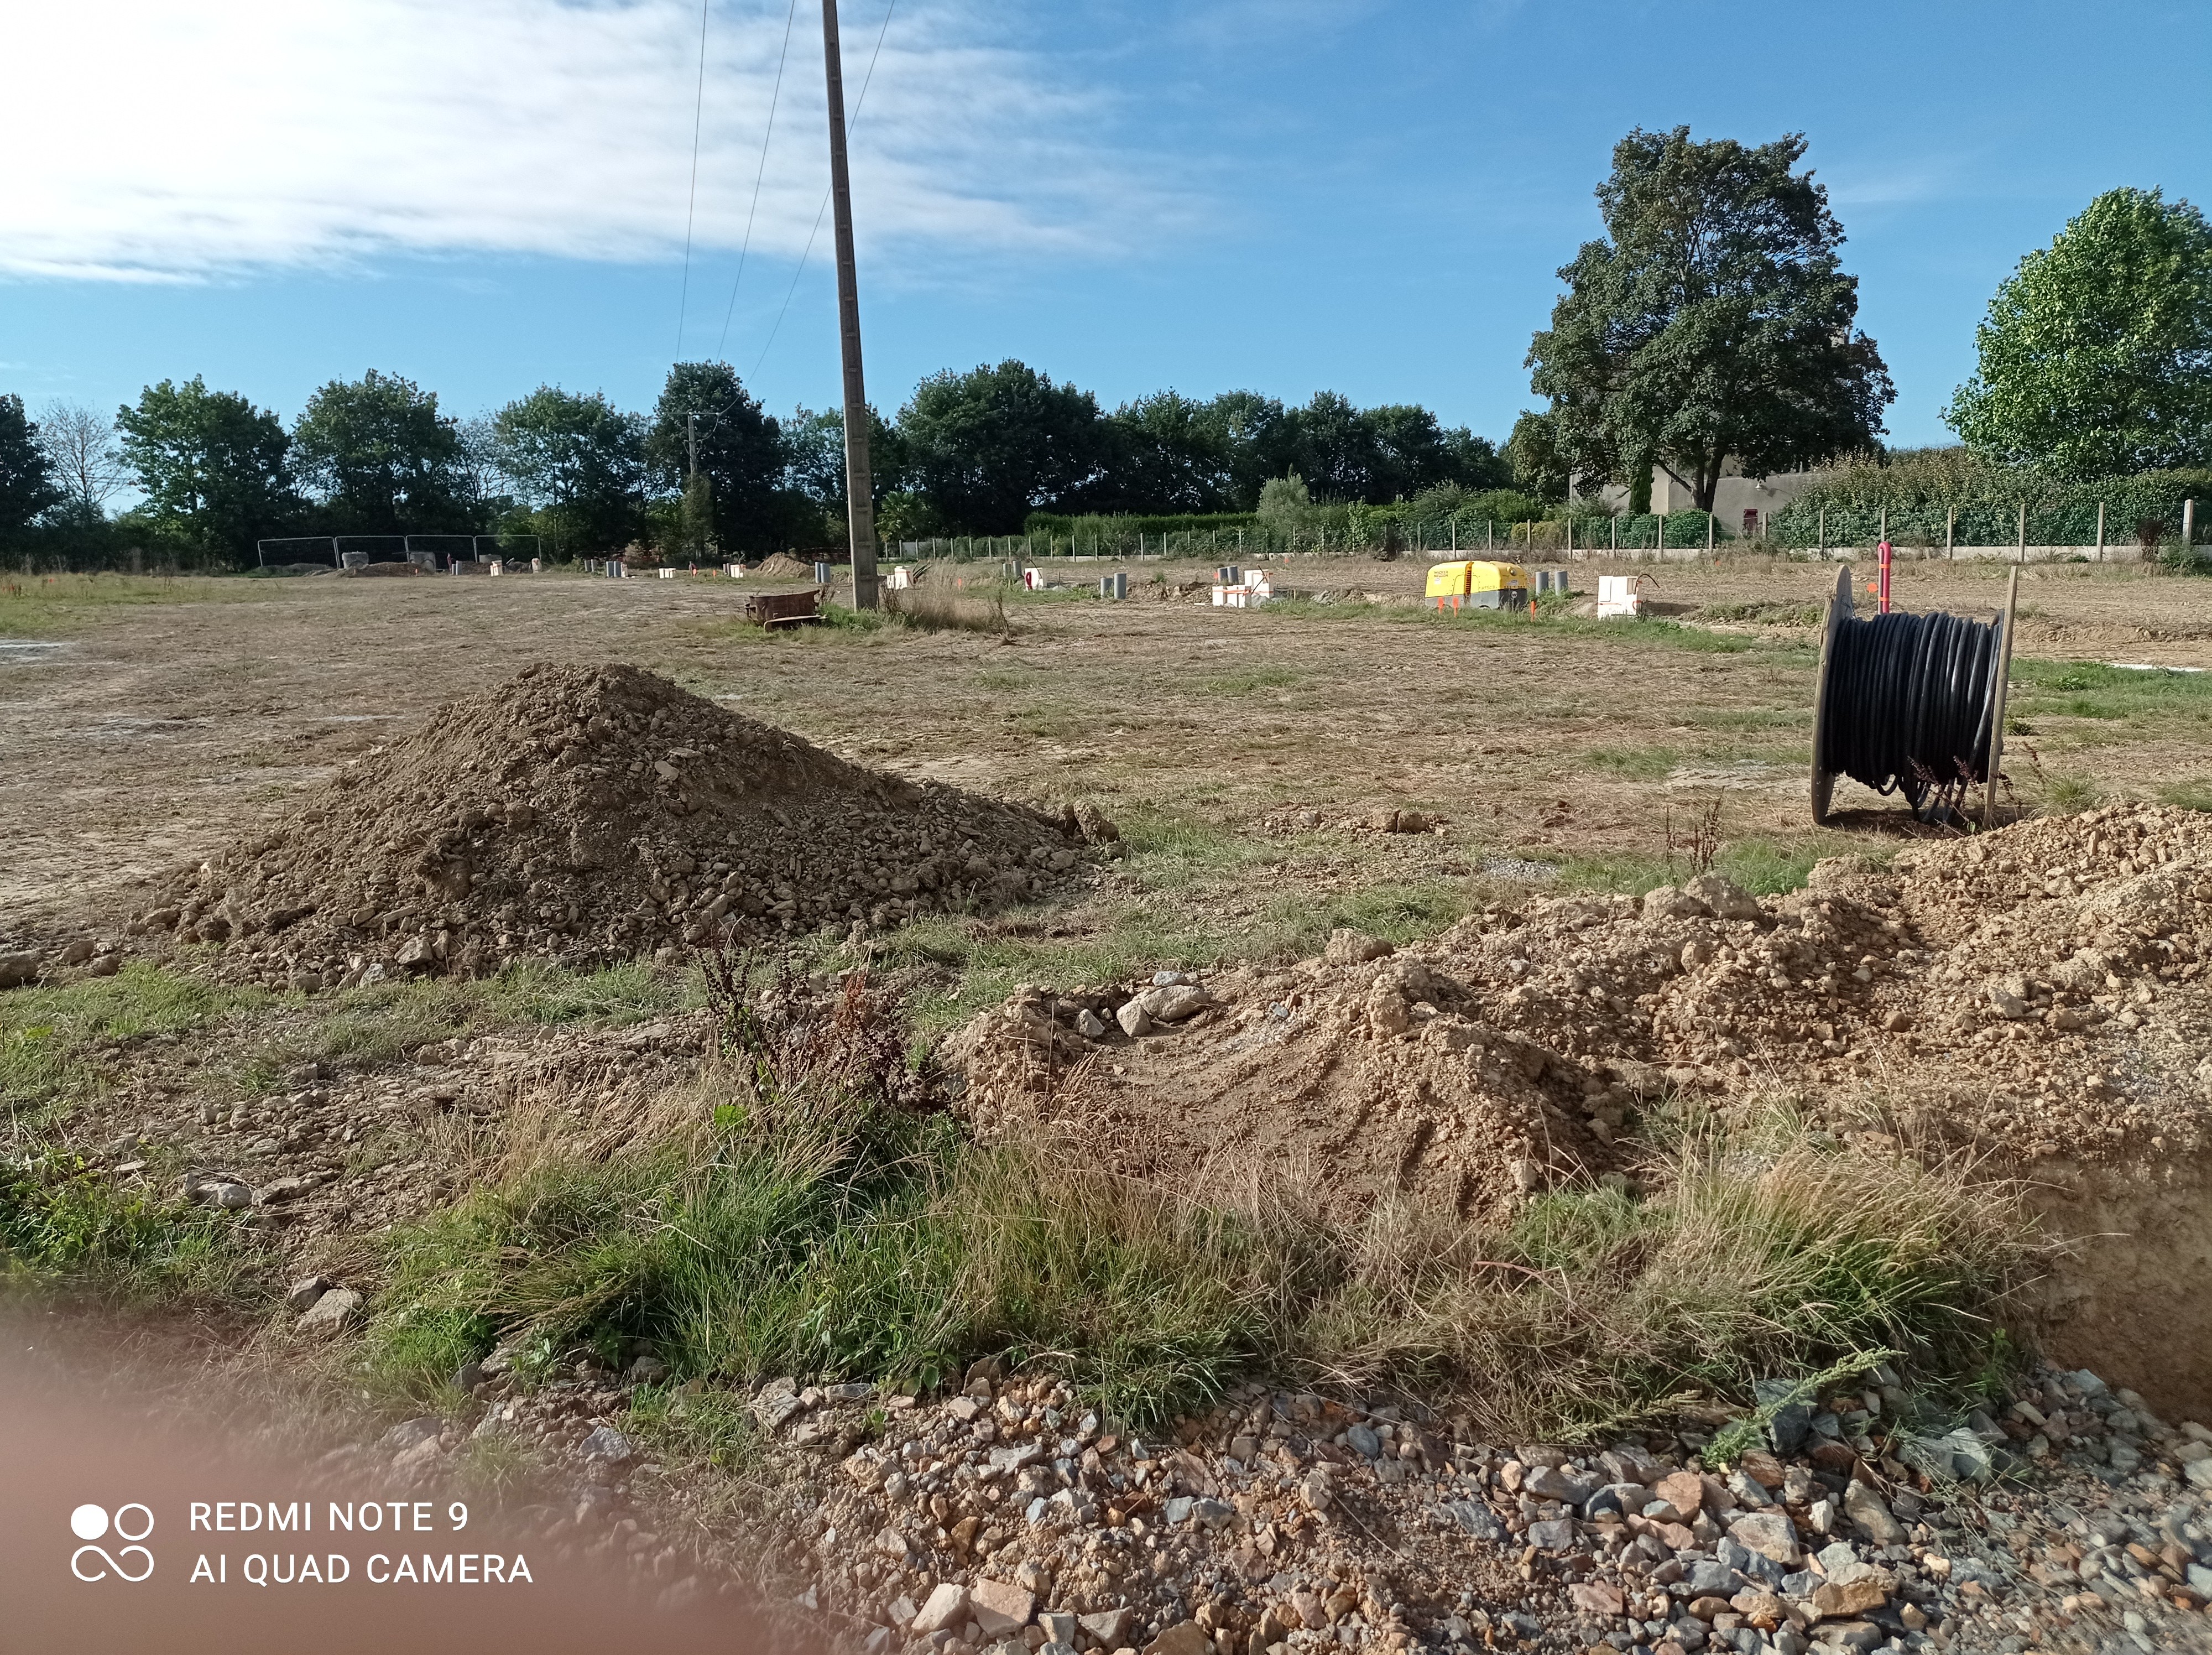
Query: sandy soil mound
(784, 567)
(2035, 994)
(595, 813)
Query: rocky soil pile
(595, 814)
(2035, 993)
(1010, 1520)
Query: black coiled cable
(1908, 701)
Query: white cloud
(153, 140)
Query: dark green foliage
(988, 447)
(578, 457)
(214, 468)
(1714, 322)
(381, 459)
(1924, 492)
(2096, 356)
(1090, 526)
(26, 478)
(1172, 454)
(768, 480)
(1540, 468)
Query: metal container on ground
(1478, 583)
(774, 609)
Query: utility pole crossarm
(859, 493)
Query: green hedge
(1099, 525)
(1983, 504)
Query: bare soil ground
(145, 733)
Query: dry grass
(785, 1214)
(929, 608)
(1758, 1252)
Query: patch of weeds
(1635, 763)
(1168, 851)
(838, 618)
(612, 996)
(375, 1025)
(1630, 873)
(1745, 718)
(2068, 793)
(52, 1039)
(493, 1467)
(808, 1223)
(1759, 1253)
(713, 1426)
(67, 1225)
(1767, 614)
(1296, 927)
(796, 1215)
(1766, 867)
(936, 609)
(47, 606)
(2092, 689)
(2195, 794)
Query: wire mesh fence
(2118, 527)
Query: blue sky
(1372, 198)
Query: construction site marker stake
(1997, 710)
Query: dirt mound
(783, 566)
(1373, 1072)
(2035, 994)
(595, 814)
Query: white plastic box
(1617, 596)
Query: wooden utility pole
(859, 491)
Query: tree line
(1711, 328)
(705, 472)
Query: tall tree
(1258, 434)
(1171, 453)
(988, 447)
(213, 467)
(2096, 356)
(80, 445)
(741, 453)
(1714, 322)
(383, 459)
(1538, 471)
(577, 456)
(26, 486)
(1335, 447)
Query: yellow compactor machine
(1478, 584)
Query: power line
(691, 202)
(762, 172)
(852, 122)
